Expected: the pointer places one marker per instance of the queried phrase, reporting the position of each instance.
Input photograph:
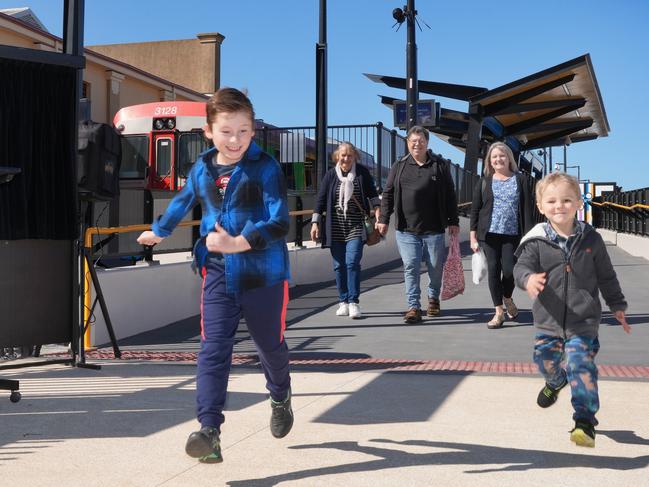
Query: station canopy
(558, 106)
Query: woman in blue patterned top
(501, 212)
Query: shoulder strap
(360, 207)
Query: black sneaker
(583, 434)
(205, 445)
(281, 419)
(549, 395)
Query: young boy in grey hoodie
(563, 265)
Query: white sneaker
(343, 309)
(354, 310)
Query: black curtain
(36, 118)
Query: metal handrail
(96, 231)
(616, 205)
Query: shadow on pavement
(511, 459)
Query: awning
(554, 107)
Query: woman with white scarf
(346, 194)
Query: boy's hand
(149, 238)
(221, 241)
(535, 284)
(621, 317)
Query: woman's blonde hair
(334, 155)
(556, 178)
(488, 169)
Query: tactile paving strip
(515, 368)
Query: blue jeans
(433, 250)
(347, 267)
(580, 370)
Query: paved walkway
(376, 403)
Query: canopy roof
(557, 106)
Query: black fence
(624, 211)
(379, 147)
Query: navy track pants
(264, 310)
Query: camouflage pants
(579, 370)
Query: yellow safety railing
(96, 231)
(616, 205)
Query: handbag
(453, 275)
(372, 235)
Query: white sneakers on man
(354, 311)
(343, 310)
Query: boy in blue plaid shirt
(243, 259)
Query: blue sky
(269, 49)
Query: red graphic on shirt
(222, 183)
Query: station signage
(428, 112)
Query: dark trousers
(264, 310)
(499, 251)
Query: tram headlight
(158, 124)
(171, 123)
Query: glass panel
(190, 145)
(163, 157)
(135, 153)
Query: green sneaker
(549, 395)
(583, 434)
(205, 445)
(281, 419)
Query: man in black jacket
(421, 193)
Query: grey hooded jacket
(569, 304)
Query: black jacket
(483, 202)
(325, 199)
(445, 191)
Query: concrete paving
(364, 414)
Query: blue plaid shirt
(563, 242)
(254, 205)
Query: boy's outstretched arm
(184, 201)
(527, 272)
(608, 284)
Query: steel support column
(73, 16)
(412, 86)
(321, 96)
(474, 135)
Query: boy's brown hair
(554, 178)
(229, 100)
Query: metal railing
(624, 211)
(295, 149)
(379, 147)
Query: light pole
(412, 86)
(321, 95)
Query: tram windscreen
(190, 145)
(135, 152)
